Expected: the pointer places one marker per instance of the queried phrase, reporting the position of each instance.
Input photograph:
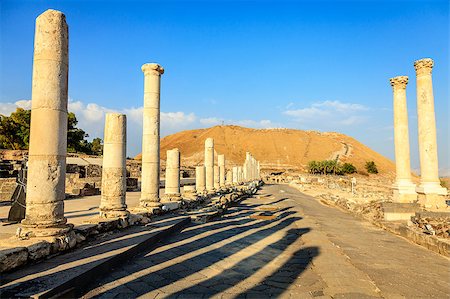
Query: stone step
(68, 274)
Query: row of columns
(429, 193)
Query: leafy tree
(348, 168)
(15, 133)
(15, 129)
(371, 167)
(97, 146)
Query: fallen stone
(39, 250)
(12, 258)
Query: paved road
(307, 250)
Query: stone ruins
(216, 179)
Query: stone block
(39, 250)
(399, 211)
(12, 258)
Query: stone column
(229, 178)
(200, 186)
(404, 189)
(209, 164)
(150, 136)
(114, 172)
(240, 174)
(430, 191)
(44, 214)
(221, 163)
(258, 170)
(172, 189)
(216, 178)
(235, 175)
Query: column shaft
(216, 177)
(114, 172)
(209, 164)
(221, 163)
(200, 186)
(150, 136)
(48, 129)
(172, 189)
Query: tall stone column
(200, 186)
(240, 174)
(430, 191)
(235, 174)
(404, 189)
(216, 178)
(258, 170)
(44, 215)
(172, 189)
(209, 164)
(150, 136)
(114, 172)
(221, 163)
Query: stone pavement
(307, 250)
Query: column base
(149, 204)
(431, 188)
(404, 192)
(33, 231)
(114, 214)
(170, 198)
(433, 202)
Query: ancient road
(308, 250)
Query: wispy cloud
(327, 115)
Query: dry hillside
(276, 148)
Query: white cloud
(328, 115)
(211, 121)
(8, 108)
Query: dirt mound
(284, 149)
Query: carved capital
(399, 82)
(153, 69)
(423, 66)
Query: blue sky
(318, 65)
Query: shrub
(348, 168)
(371, 167)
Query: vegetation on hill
(330, 167)
(371, 167)
(15, 134)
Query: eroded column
(209, 164)
(229, 178)
(172, 189)
(235, 174)
(114, 172)
(200, 186)
(216, 178)
(150, 136)
(221, 163)
(404, 189)
(430, 190)
(44, 214)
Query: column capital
(399, 82)
(423, 66)
(152, 68)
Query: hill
(283, 149)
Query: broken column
(172, 189)
(240, 174)
(216, 178)
(221, 163)
(404, 188)
(431, 194)
(200, 186)
(229, 178)
(235, 174)
(114, 172)
(150, 136)
(209, 164)
(44, 215)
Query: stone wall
(7, 186)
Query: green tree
(15, 129)
(15, 133)
(371, 167)
(348, 168)
(97, 146)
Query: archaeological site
(180, 205)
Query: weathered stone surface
(200, 180)
(172, 189)
(48, 129)
(151, 136)
(39, 250)
(209, 164)
(12, 258)
(114, 171)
